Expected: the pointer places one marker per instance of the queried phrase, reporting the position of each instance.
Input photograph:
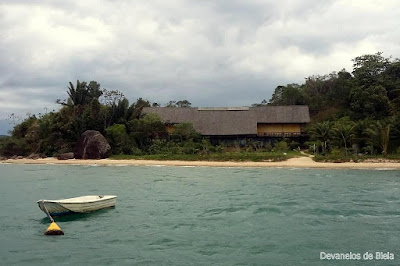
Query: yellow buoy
(54, 229)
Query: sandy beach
(299, 162)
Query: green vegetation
(129, 133)
(353, 116)
(222, 156)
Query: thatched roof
(232, 120)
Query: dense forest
(357, 112)
(352, 113)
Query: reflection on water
(73, 216)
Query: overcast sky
(210, 52)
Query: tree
(287, 95)
(141, 103)
(185, 131)
(391, 82)
(118, 138)
(183, 103)
(342, 83)
(136, 108)
(367, 69)
(322, 132)
(380, 134)
(146, 129)
(171, 104)
(369, 102)
(344, 132)
(110, 99)
(361, 136)
(94, 91)
(79, 95)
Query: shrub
(294, 145)
(268, 147)
(281, 146)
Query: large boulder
(92, 145)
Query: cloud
(213, 53)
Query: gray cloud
(209, 52)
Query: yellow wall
(278, 128)
(292, 128)
(170, 128)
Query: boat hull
(79, 204)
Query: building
(262, 122)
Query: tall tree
(367, 69)
(369, 102)
(290, 94)
(79, 95)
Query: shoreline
(298, 162)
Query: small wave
(163, 242)
(267, 209)
(180, 225)
(392, 213)
(221, 210)
(326, 212)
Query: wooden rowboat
(79, 204)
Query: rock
(33, 156)
(2, 158)
(92, 145)
(20, 157)
(65, 156)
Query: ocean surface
(202, 216)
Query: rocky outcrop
(92, 145)
(66, 156)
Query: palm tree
(345, 132)
(361, 135)
(322, 132)
(78, 95)
(380, 134)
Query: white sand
(299, 162)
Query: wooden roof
(232, 121)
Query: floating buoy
(54, 229)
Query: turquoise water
(200, 216)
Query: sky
(210, 52)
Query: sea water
(202, 216)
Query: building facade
(261, 122)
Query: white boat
(79, 204)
